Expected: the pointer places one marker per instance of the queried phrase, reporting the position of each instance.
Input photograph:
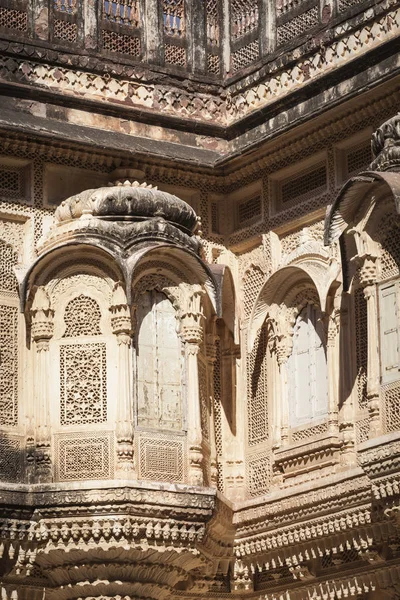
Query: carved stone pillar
(121, 324)
(333, 358)
(368, 280)
(192, 333)
(283, 350)
(42, 329)
(211, 352)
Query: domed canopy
(129, 202)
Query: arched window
(307, 369)
(159, 364)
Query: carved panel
(257, 391)
(82, 317)
(8, 365)
(8, 259)
(161, 458)
(11, 458)
(83, 384)
(80, 456)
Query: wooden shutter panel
(389, 331)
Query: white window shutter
(389, 331)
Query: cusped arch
(177, 264)
(281, 287)
(64, 261)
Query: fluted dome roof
(129, 201)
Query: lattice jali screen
(121, 27)
(12, 19)
(257, 391)
(65, 20)
(249, 211)
(8, 365)
(361, 327)
(82, 317)
(245, 55)
(175, 51)
(79, 456)
(307, 432)
(83, 384)
(251, 286)
(175, 55)
(11, 458)
(217, 413)
(8, 259)
(301, 187)
(213, 28)
(389, 236)
(295, 18)
(162, 458)
(358, 159)
(345, 4)
(11, 182)
(391, 405)
(204, 395)
(258, 473)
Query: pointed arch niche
(292, 381)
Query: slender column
(42, 331)
(40, 14)
(122, 328)
(211, 360)
(192, 333)
(367, 280)
(333, 370)
(152, 31)
(282, 356)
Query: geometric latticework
(245, 55)
(308, 432)
(13, 19)
(297, 25)
(123, 44)
(161, 458)
(64, 30)
(11, 182)
(10, 458)
(217, 413)
(8, 365)
(249, 210)
(390, 241)
(258, 474)
(257, 391)
(203, 393)
(80, 456)
(251, 286)
(304, 186)
(83, 384)
(361, 327)
(82, 317)
(175, 55)
(391, 399)
(358, 159)
(8, 259)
